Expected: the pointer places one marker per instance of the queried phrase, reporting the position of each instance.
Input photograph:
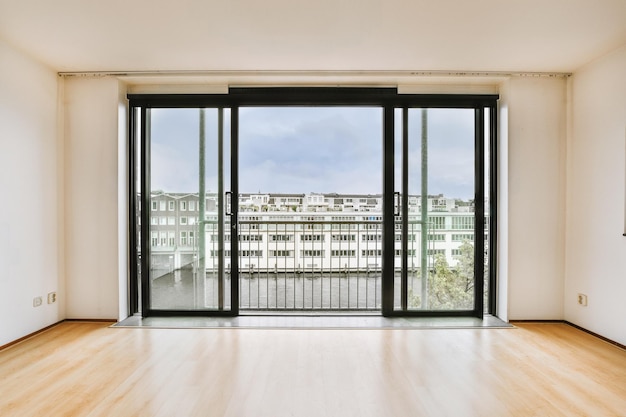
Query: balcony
(298, 262)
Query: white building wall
(30, 169)
(596, 249)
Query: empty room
(336, 208)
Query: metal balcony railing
(309, 265)
(313, 263)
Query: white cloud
(320, 149)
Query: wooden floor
(88, 369)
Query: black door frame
(386, 98)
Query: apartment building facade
(303, 232)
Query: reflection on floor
(316, 322)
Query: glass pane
(441, 189)
(310, 208)
(186, 262)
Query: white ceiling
(320, 35)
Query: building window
(313, 227)
(162, 205)
(343, 238)
(154, 206)
(335, 253)
(280, 253)
(183, 220)
(437, 237)
(171, 239)
(311, 238)
(281, 238)
(463, 223)
(171, 221)
(183, 238)
(372, 252)
(437, 222)
(311, 253)
(183, 206)
(170, 205)
(192, 206)
(251, 253)
(250, 238)
(460, 237)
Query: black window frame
(389, 100)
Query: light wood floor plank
(88, 369)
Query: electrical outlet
(582, 299)
(52, 297)
(37, 301)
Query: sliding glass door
(182, 193)
(313, 199)
(439, 178)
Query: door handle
(227, 202)
(396, 203)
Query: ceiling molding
(313, 73)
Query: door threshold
(314, 322)
(310, 313)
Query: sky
(313, 149)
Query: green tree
(448, 288)
(465, 265)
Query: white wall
(533, 116)
(92, 181)
(122, 202)
(93, 193)
(596, 249)
(533, 185)
(29, 185)
(532, 198)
